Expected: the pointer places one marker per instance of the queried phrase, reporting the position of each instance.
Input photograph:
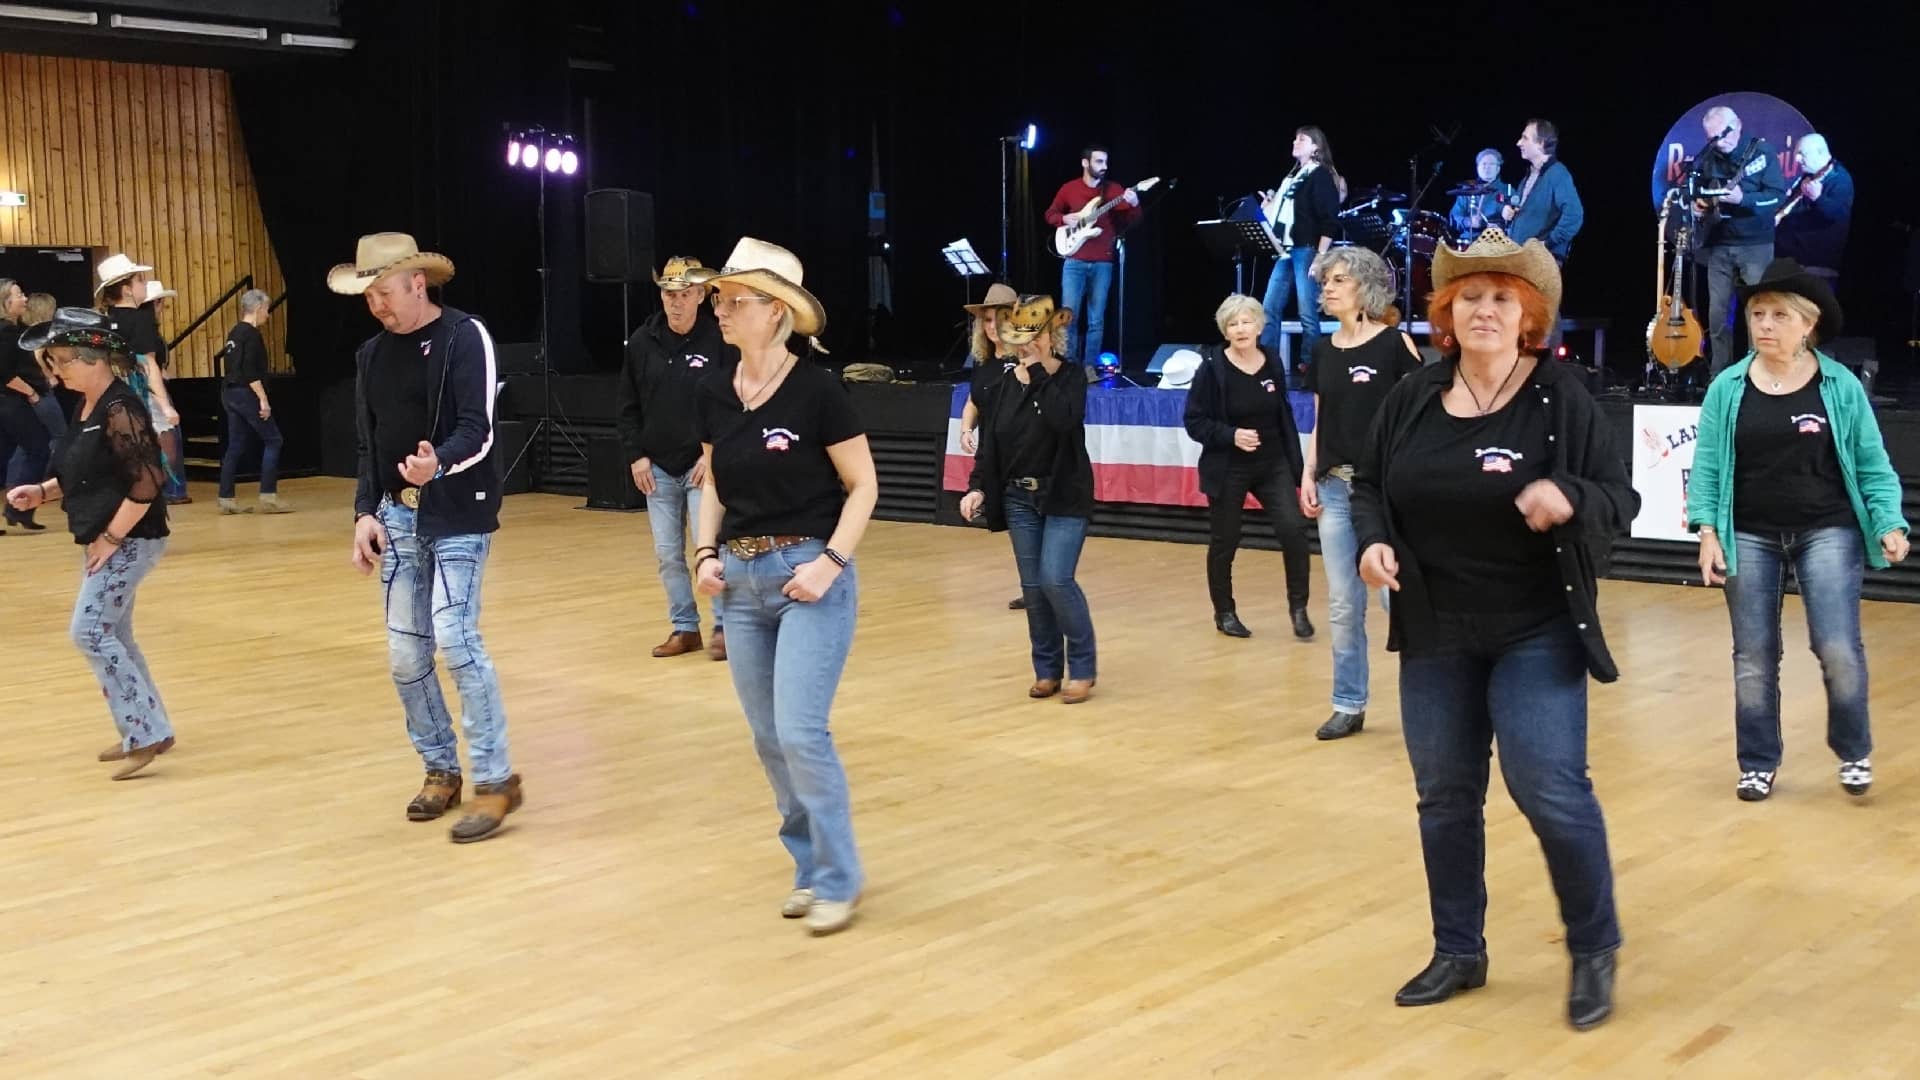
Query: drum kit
(1379, 220)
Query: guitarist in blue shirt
(1088, 275)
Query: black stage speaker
(609, 479)
(619, 236)
(510, 448)
(516, 358)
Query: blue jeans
(1828, 563)
(1289, 280)
(786, 657)
(433, 596)
(102, 628)
(1346, 595)
(1083, 289)
(673, 504)
(244, 428)
(1047, 550)
(1531, 694)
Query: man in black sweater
(1818, 211)
(666, 358)
(425, 512)
(1738, 242)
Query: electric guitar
(1800, 191)
(1068, 239)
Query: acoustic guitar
(1674, 334)
(1068, 239)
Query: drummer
(1477, 204)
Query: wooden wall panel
(144, 159)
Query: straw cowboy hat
(157, 291)
(1788, 276)
(999, 296)
(1032, 316)
(115, 268)
(380, 254)
(74, 326)
(1494, 252)
(673, 276)
(775, 271)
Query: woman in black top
(990, 361)
(789, 487)
(24, 442)
(107, 471)
(1237, 410)
(1304, 214)
(1489, 488)
(249, 413)
(1033, 480)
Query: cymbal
(1471, 189)
(1382, 195)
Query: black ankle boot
(1443, 978)
(1229, 624)
(1302, 626)
(1341, 724)
(1590, 991)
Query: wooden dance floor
(1174, 879)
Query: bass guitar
(1068, 239)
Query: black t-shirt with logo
(1352, 384)
(770, 465)
(1250, 404)
(1452, 488)
(400, 400)
(1786, 470)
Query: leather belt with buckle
(1344, 472)
(1025, 483)
(752, 547)
(410, 498)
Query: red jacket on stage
(1072, 198)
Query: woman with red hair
(1489, 492)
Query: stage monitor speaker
(619, 236)
(509, 448)
(516, 357)
(609, 479)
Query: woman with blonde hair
(991, 361)
(1789, 468)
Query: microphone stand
(1406, 240)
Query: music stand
(966, 265)
(1229, 238)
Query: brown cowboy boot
(679, 643)
(490, 806)
(440, 792)
(717, 645)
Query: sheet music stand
(1230, 238)
(966, 265)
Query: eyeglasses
(723, 302)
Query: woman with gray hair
(1237, 410)
(1358, 366)
(249, 414)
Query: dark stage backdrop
(773, 119)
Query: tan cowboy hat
(380, 254)
(775, 271)
(673, 276)
(157, 291)
(1494, 252)
(1032, 316)
(998, 296)
(117, 267)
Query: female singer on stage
(1237, 410)
(1033, 480)
(1363, 360)
(1304, 214)
(789, 487)
(1791, 468)
(1489, 485)
(106, 471)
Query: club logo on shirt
(1497, 459)
(426, 347)
(1007, 367)
(1267, 385)
(779, 438)
(1362, 373)
(695, 360)
(1810, 424)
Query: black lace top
(106, 457)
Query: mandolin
(1673, 335)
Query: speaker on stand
(620, 242)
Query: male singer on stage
(1738, 241)
(1547, 207)
(1088, 274)
(1814, 220)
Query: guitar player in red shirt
(1088, 275)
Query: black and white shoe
(1856, 776)
(1755, 786)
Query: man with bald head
(1813, 229)
(1738, 224)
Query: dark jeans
(1728, 265)
(1528, 689)
(1047, 549)
(1828, 564)
(244, 428)
(1275, 492)
(22, 431)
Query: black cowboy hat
(74, 326)
(1788, 276)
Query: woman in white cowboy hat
(1789, 467)
(122, 297)
(106, 472)
(1033, 481)
(789, 487)
(173, 440)
(1487, 492)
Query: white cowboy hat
(1178, 372)
(1494, 252)
(117, 267)
(156, 291)
(380, 254)
(775, 271)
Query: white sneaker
(798, 902)
(1856, 776)
(831, 916)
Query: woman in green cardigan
(1791, 467)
